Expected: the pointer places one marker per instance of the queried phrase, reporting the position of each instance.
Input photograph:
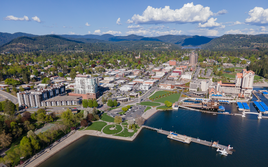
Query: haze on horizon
(146, 18)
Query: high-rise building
(193, 58)
(242, 87)
(86, 86)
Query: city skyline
(146, 18)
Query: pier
(195, 140)
(254, 93)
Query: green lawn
(96, 126)
(122, 112)
(124, 123)
(107, 118)
(156, 94)
(256, 77)
(125, 133)
(113, 108)
(172, 98)
(164, 108)
(108, 131)
(147, 108)
(148, 103)
(229, 75)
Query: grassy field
(229, 75)
(256, 77)
(96, 126)
(107, 118)
(148, 103)
(125, 133)
(156, 94)
(164, 108)
(108, 131)
(147, 108)
(172, 98)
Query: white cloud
(97, 32)
(139, 32)
(64, 26)
(221, 12)
(234, 32)
(189, 13)
(250, 31)
(258, 15)
(171, 32)
(72, 33)
(118, 21)
(263, 29)
(204, 32)
(237, 23)
(147, 32)
(52, 32)
(89, 32)
(35, 18)
(112, 32)
(134, 27)
(160, 27)
(211, 23)
(87, 24)
(11, 17)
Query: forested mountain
(54, 43)
(7, 37)
(239, 41)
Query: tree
(60, 74)
(117, 119)
(168, 103)
(35, 143)
(68, 118)
(104, 100)
(7, 89)
(85, 103)
(115, 103)
(140, 121)
(73, 74)
(45, 80)
(25, 146)
(5, 139)
(21, 89)
(9, 107)
(110, 103)
(95, 104)
(90, 117)
(90, 103)
(30, 133)
(84, 123)
(124, 109)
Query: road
(9, 96)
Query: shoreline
(73, 138)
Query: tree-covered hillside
(228, 42)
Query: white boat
(222, 152)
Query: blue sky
(141, 17)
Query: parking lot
(132, 113)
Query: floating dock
(189, 139)
(258, 106)
(240, 106)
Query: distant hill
(54, 43)
(238, 41)
(7, 37)
(196, 41)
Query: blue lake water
(248, 136)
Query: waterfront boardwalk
(195, 140)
